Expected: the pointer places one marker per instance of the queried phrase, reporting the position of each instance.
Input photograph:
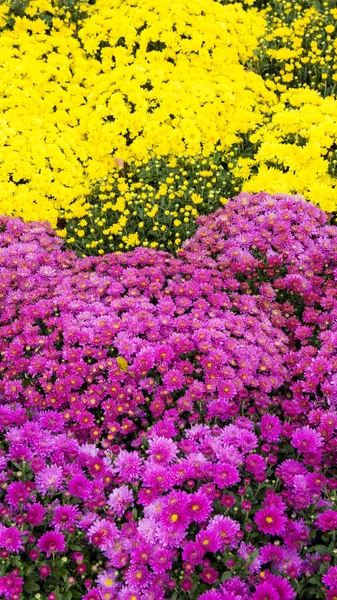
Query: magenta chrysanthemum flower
(214, 595)
(35, 514)
(65, 516)
(120, 499)
(330, 578)
(226, 530)
(327, 521)
(50, 542)
(10, 539)
(50, 478)
(270, 521)
(16, 493)
(306, 439)
(270, 428)
(265, 591)
(129, 465)
(162, 450)
(226, 475)
(282, 586)
(80, 487)
(199, 506)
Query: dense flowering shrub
(198, 396)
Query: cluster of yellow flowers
(177, 89)
(157, 77)
(153, 205)
(300, 45)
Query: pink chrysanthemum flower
(327, 521)
(270, 521)
(199, 506)
(330, 578)
(10, 539)
(265, 591)
(65, 516)
(129, 465)
(120, 499)
(50, 478)
(226, 530)
(35, 514)
(306, 439)
(50, 542)
(16, 493)
(162, 450)
(270, 428)
(282, 586)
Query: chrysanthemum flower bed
(169, 424)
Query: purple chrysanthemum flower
(162, 450)
(80, 486)
(282, 586)
(16, 493)
(129, 465)
(35, 514)
(330, 578)
(327, 521)
(10, 539)
(226, 530)
(270, 428)
(65, 516)
(50, 542)
(199, 506)
(270, 521)
(265, 591)
(49, 478)
(120, 499)
(306, 439)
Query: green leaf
(30, 587)
(227, 575)
(321, 549)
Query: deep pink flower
(10, 539)
(270, 521)
(327, 521)
(330, 578)
(50, 542)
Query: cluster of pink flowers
(175, 417)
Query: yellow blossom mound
(159, 77)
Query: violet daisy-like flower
(120, 499)
(35, 513)
(215, 595)
(330, 578)
(51, 541)
(129, 465)
(270, 521)
(16, 493)
(209, 540)
(236, 586)
(80, 486)
(270, 428)
(161, 560)
(65, 516)
(265, 591)
(225, 475)
(306, 439)
(107, 579)
(199, 506)
(49, 478)
(226, 530)
(162, 450)
(175, 516)
(327, 521)
(10, 539)
(282, 586)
